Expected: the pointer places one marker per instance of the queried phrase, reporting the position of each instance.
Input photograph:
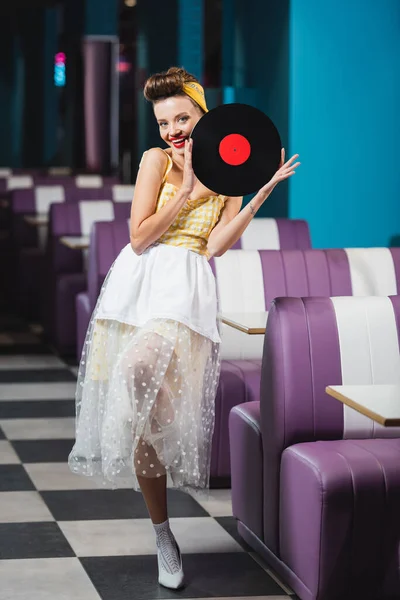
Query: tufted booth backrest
(19, 182)
(38, 199)
(76, 194)
(311, 343)
(94, 181)
(76, 219)
(122, 193)
(84, 182)
(106, 242)
(275, 234)
(116, 193)
(248, 281)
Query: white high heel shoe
(168, 580)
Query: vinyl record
(236, 149)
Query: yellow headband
(196, 92)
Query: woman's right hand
(285, 170)
(189, 178)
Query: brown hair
(166, 84)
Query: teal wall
(269, 44)
(32, 41)
(36, 90)
(255, 57)
(81, 17)
(28, 99)
(72, 152)
(101, 17)
(50, 91)
(190, 36)
(15, 157)
(7, 63)
(169, 34)
(345, 120)
(157, 50)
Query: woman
(150, 367)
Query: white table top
(36, 220)
(252, 323)
(378, 402)
(76, 242)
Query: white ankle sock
(167, 545)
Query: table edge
(243, 328)
(64, 242)
(36, 221)
(386, 422)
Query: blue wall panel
(157, 50)
(101, 17)
(190, 40)
(345, 121)
(50, 94)
(7, 66)
(256, 70)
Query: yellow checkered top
(194, 222)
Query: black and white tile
(62, 537)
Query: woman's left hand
(286, 170)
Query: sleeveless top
(194, 222)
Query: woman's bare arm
(224, 235)
(147, 226)
(233, 223)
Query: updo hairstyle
(168, 83)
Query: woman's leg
(154, 490)
(155, 495)
(150, 472)
(149, 469)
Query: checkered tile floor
(61, 538)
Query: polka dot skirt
(145, 404)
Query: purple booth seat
(117, 193)
(248, 281)
(275, 234)
(19, 182)
(37, 201)
(107, 239)
(28, 241)
(78, 181)
(88, 180)
(316, 485)
(33, 201)
(65, 271)
(5, 172)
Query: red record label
(234, 149)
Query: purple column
(100, 102)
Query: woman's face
(176, 117)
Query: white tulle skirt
(149, 372)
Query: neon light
(59, 69)
(60, 58)
(124, 66)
